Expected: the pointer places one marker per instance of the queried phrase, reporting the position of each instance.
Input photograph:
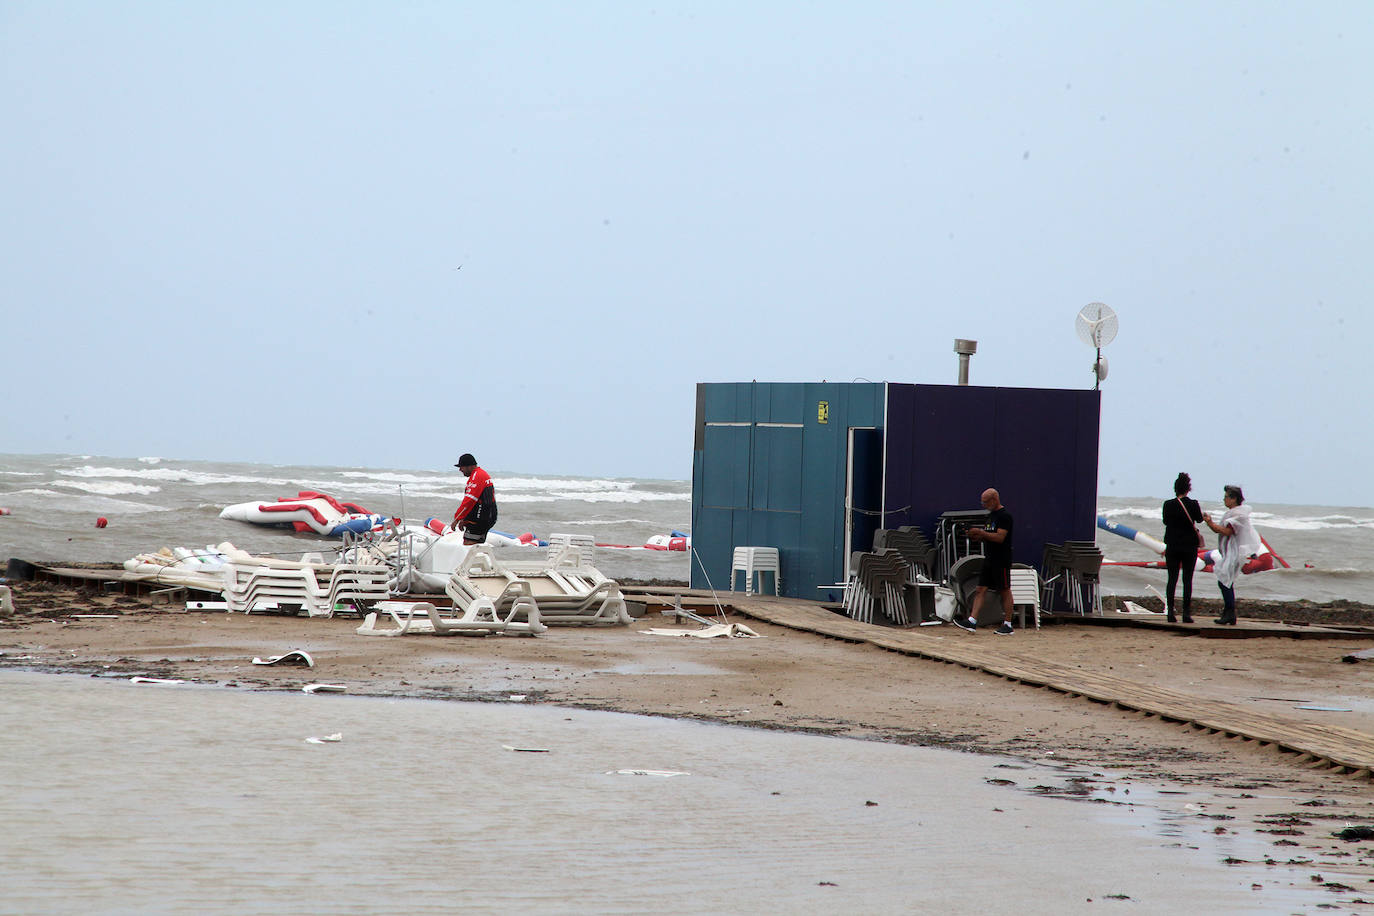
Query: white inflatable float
(307, 511)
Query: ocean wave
(563, 484)
(150, 460)
(610, 522)
(393, 478)
(92, 503)
(168, 475)
(1261, 519)
(1131, 512)
(624, 497)
(451, 482)
(20, 473)
(1320, 523)
(110, 488)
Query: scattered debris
(154, 680)
(526, 750)
(666, 774)
(1355, 833)
(325, 688)
(732, 630)
(1324, 708)
(517, 697)
(294, 657)
(327, 739)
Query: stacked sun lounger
(583, 542)
(878, 583)
(315, 589)
(425, 618)
(567, 590)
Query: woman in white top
(1239, 542)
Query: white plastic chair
(752, 561)
(1025, 593)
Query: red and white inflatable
(307, 511)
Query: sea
(198, 798)
(152, 502)
(148, 503)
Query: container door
(863, 495)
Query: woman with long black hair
(1181, 543)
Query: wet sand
(804, 682)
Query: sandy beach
(799, 681)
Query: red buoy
(4, 511)
(101, 522)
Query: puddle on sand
(193, 782)
(662, 666)
(1204, 822)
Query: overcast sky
(235, 231)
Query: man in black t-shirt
(996, 574)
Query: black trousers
(1180, 563)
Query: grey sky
(231, 231)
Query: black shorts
(477, 534)
(997, 578)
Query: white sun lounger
(317, 590)
(567, 591)
(423, 618)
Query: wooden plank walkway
(1330, 746)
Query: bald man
(996, 574)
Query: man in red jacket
(477, 512)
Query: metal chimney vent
(965, 349)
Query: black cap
(466, 460)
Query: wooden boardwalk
(1326, 746)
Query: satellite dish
(1096, 324)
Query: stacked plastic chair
(952, 537)
(913, 545)
(878, 582)
(1074, 569)
(315, 589)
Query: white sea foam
(150, 460)
(456, 481)
(109, 487)
(393, 478)
(564, 485)
(97, 503)
(607, 522)
(1308, 523)
(169, 475)
(20, 473)
(1260, 518)
(632, 496)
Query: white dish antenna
(1096, 325)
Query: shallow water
(176, 799)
